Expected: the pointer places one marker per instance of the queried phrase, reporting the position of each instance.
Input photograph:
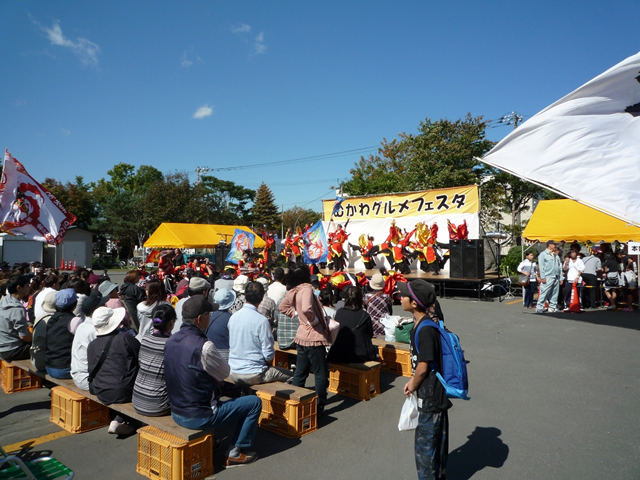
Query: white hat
(240, 283)
(106, 320)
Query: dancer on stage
(336, 241)
(367, 250)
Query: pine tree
(265, 212)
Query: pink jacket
(312, 327)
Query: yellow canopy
(568, 221)
(194, 235)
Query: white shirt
(527, 266)
(276, 292)
(575, 266)
(85, 333)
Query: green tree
(76, 198)
(229, 202)
(300, 216)
(265, 212)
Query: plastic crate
(167, 457)
(358, 383)
(75, 412)
(15, 379)
(395, 361)
(290, 418)
(281, 359)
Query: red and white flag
(27, 208)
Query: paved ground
(552, 397)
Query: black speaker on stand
(466, 259)
(221, 251)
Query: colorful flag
(240, 242)
(153, 257)
(336, 206)
(27, 208)
(316, 248)
(586, 145)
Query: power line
(287, 162)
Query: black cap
(196, 306)
(93, 301)
(419, 290)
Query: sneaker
(118, 428)
(627, 309)
(611, 307)
(242, 459)
(540, 312)
(552, 310)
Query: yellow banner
(442, 201)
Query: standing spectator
(112, 379)
(432, 433)
(150, 395)
(251, 345)
(15, 338)
(156, 295)
(353, 343)
(193, 372)
(268, 306)
(629, 282)
(312, 336)
(573, 267)
(529, 268)
(611, 279)
(59, 337)
(178, 258)
(239, 284)
(550, 277)
(592, 268)
(132, 295)
(277, 289)
(378, 303)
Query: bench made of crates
(286, 409)
(355, 380)
(282, 356)
(395, 356)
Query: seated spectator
(150, 395)
(239, 284)
(251, 342)
(50, 283)
(59, 337)
(226, 280)
(326, 299)
(15, 338)
(218, 331)
(193, 372)
(198, 285)
(84, 335)
(113, 364)
(156, 295)
(277, 289)
(267, 307)
(132, 295)
(353, 344)
(40, 331)
(378, 303)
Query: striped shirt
(150, 395)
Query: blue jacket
(549, 265)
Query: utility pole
(200, 170)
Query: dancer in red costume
(336, 241)
(366, 248)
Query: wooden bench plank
(381, 342)
(165, 423)
(284, 390)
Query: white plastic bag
(409, 414)
(390, 322)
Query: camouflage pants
(432, 445)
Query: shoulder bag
(103, 357)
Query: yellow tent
(568, 221)
(193, 235)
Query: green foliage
(265, 212)
(512, 259)
(76, 198)
(300, 217)
(229, 202)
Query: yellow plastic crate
(14, 379)
(395, 361)
(281, 359)
(361, 384)
(167, 457)
(77, 413)
(290, 418)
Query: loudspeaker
(221, 251)
(455, 259)
(467, 259)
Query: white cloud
(65, 132)
(203, 111)
(84, 48)
(188, 60)
(259, 44)
(241, 28)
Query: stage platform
(445, 285)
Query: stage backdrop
(372, 215)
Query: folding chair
(43, 468)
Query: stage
(445, 285)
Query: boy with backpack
(432, 434)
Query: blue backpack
(454, 366)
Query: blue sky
(176, 85)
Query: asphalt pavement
(553, 396)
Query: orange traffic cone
(574, 304)
(74, 264)
(62, 264)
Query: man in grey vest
(550, 271)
